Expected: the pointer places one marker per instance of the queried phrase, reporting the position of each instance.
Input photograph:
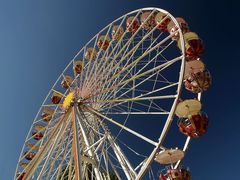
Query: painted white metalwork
(128, 79)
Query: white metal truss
(128, 81)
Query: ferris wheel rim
(171, 114)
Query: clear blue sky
(38, 38)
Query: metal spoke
(132, 77)
(123, 127)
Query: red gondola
(20, 176)
(162, 24)
(56, 98)
(132, 24)
(193, 45)
(194, 126)
(103, 42)
(193, 67)
(37, 135)
(175, 174)
(198, 82)
(29, 155)
(172, 28)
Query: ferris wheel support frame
(127, 168)
(90, 153)
(171, 113)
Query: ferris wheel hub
(80, 100)
(69, 100)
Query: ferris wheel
(110, 113)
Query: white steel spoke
(129, 171)
(136, 99)
(160, 67)
(139, 77)
(63, 151)
(137, 60)
(122, 126)
(40, 155)
(132, 51)
(120, 51)
(57, 139)
(184, 150)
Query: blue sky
(38, 39)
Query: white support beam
(127, 168)
(123, 127)
(86, 141)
